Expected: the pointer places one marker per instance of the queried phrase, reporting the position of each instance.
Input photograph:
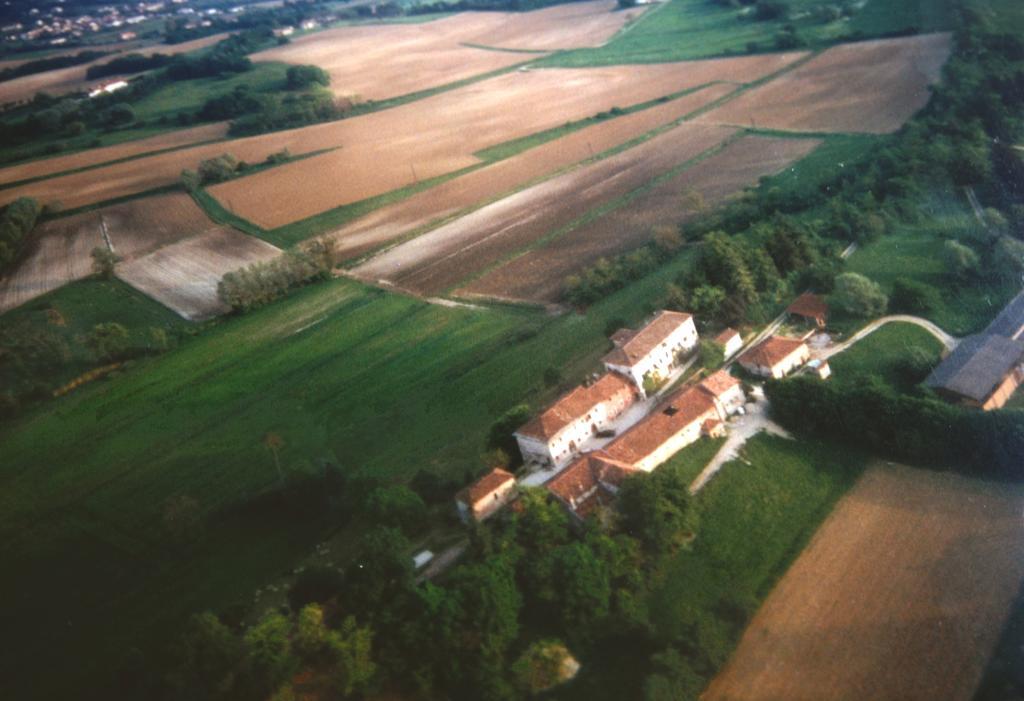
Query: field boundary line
(501, 49)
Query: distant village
(622, 422)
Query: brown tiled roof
(578, 483)
(682, 409)
(809, 305)
(631, 348)
(576, 404)
(718, 383)
(769, 352)
(726, 336)
(493, 480)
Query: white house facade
(654, 350)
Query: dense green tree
(104, 261)
(857, 295)
(396, 506)
(303, 77)
(543, 665)
(712, 354)
(108, 341)
(962, 261)
(271, 659)
(657, 509)
(207, 660)
(500, 435)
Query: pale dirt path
(950, 342)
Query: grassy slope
(914, 252)
(691, 29)
(82, 484)
(755, 520)
(72, 311)
(880, 355)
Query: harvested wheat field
(901, 594)
(184, 275)
(140, 227)
(433, 262)
(72, 78)
(105, 154)
(871, 87)
(538, 275)
(381, 61)
(416, 141)
(478, 187)
(55, 254)
(439, 135)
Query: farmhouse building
(556, 435)
(725, 391)
(985, 369)
(486, 496)
(730, 341)
(677, 423)
(775, 357)
(811, 308)
(652, 352)
(591, 481)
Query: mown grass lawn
(691, 460)
(915, 253)
(339, 371)
(884, 355)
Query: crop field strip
(433, 262)
(413, 142)
(902, 593)
(25, 173)
(538, 274)
(475, 189)
(183, 276)
(867, 87)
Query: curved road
(950, 342)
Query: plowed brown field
(377, 62)
(393, 148)
(433, 262)
(439, 135)
(59, 251)
(871, 86)
(55, 254)
(184, 275)
(72, 79)
(480, 186)
(901, 594)
(538, 275)
(98, 156)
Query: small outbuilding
(730, 341)
(486, 496)
(811, 308)
(775, 357)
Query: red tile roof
(577, 404)
(682, 409)
(726, 336)
(718, 383)
(580, 485)
(485, 486)
(632, 346)
(810, 306)
(771, 351)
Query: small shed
(811, 308)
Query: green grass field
(339, 371)
(693, 458)
(691, 29)
(61, 319)
(755, 519)
(914, 252)
(882, 355)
